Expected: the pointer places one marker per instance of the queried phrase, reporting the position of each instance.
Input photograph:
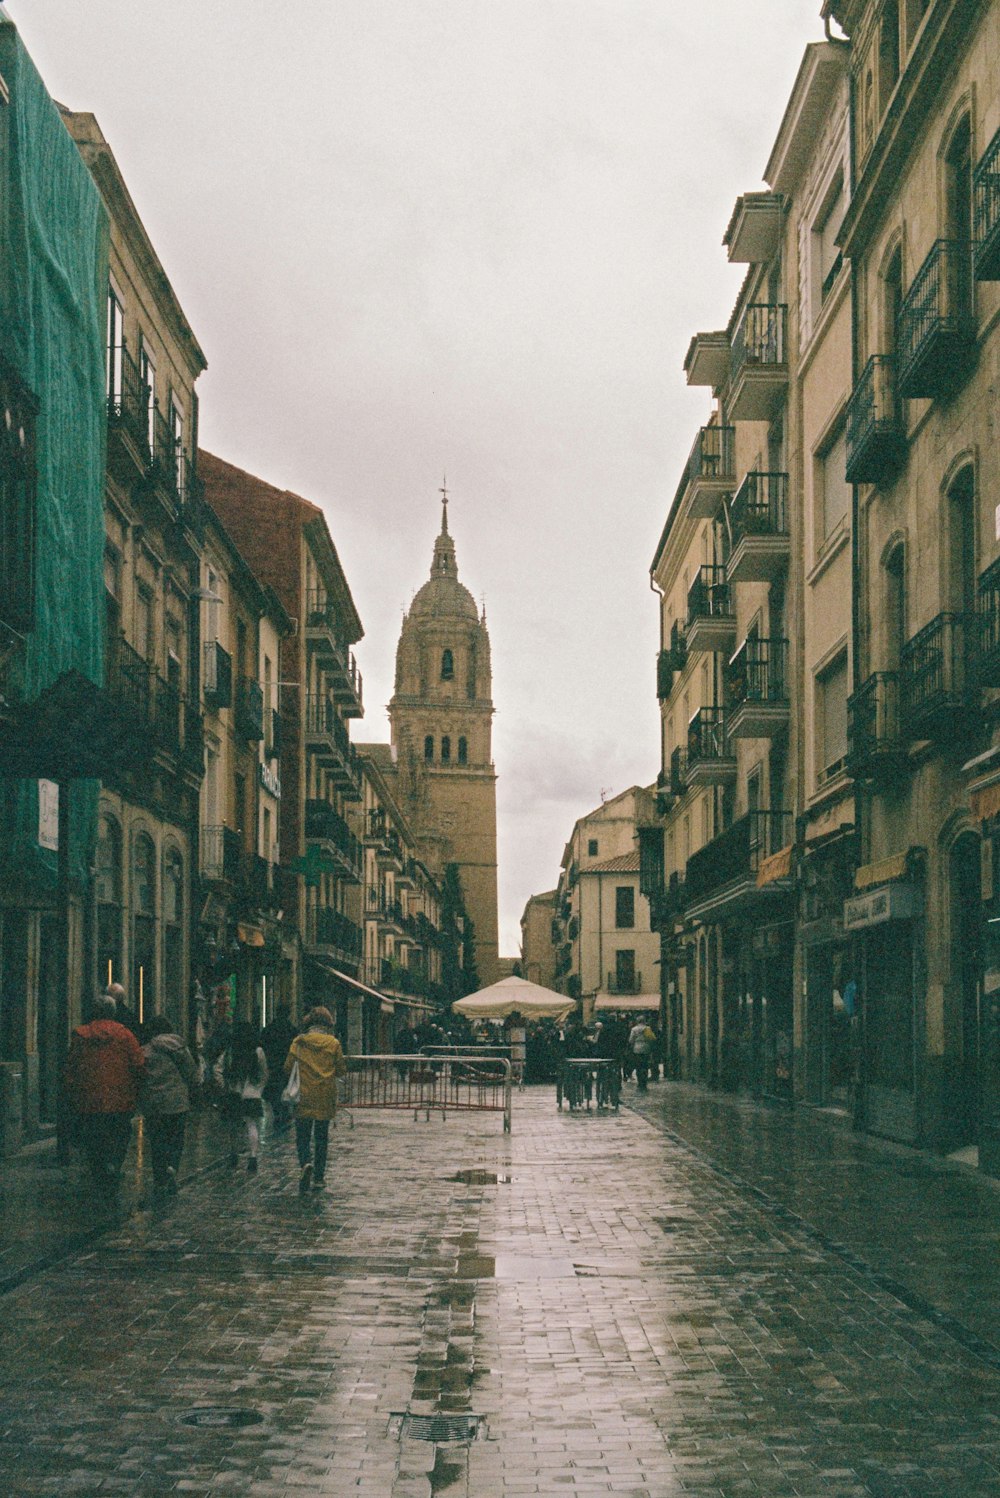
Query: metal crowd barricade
(459, 1082)
(581, 1078)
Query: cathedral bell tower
(441, 717)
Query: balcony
(389, 852)
(128, 418)
(324, 824)
(129, 684)
(875, 744)
(388, 913)
(168, 733)
(406, 876)
(724, 873)
(986, 213)
(625, 985)
(327, 738)
(759, 518)
(334, 657)
(754, 231)
(759, 371)
(249, 713)
(194, 741)
(710, 757)
(757, 679)
(936, 336)
(936, 679)
(711, 470)
(988, 627)
(218, 676)
(650, 859)
(876, 431)
(168, 469)
(707, 359)
(333, 934)
(664, 674)
(666, 904)
(221, 854)
(711, 621)
(678, 780)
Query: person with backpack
(242, 1072)
(640, 1038)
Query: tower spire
(443, 491)
(444, 547)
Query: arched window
(109, 901)
(895, 605)
(429, 747)
(445, 749)
(892, 300)
(463, 751)
(173, 887)
(143, 875)
(958, 183)
(447, 666)
(962, 543)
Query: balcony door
(962, 1099)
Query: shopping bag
(290, 1093)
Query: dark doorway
(962, 1102)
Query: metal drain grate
(214, 1417)
(437, 1428)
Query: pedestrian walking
(169, 1078)
(275, 1041)
(123, 1014)
(639, 1040)
(242, 1072)
(320, 1061)
(101, 1080)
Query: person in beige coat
(321, 1061)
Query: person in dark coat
(275, 1041)
(168, 1081)
(103, 1071)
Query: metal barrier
(580, 1078)
(460, 1082)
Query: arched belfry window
(445, 749)
(447, 666)
(463, 751)
(429, 747)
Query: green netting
(53, 286)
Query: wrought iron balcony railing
(876, 433)
(988, 627)
(757, 672)
(664, 674)
(713, 454)
(624, 984)
(218, 675)
(707, 738)
(873, 727)
(221, 854)
(936, 329)
(760, 337)
(328, 928)
(709, 596)
(986, 213)
(650, 859)
(737, 853)
(128, 402)
(129, 680)
(678, 771)
(249, 709)
(760, 506)
(935, 676)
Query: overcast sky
(466, 235)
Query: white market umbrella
(514, 995)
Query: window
(625, 972)
(833, 492)
(831, 717)
(962, 544)
(144, 622)
(177, 445)
(895, 606)
(592, 848)
(144, 875)
(108, 891)
(868, 114)
(892, 300)
(429, 747)
(888, 52)
(173, 887)
(826, 253)
(958, 185)
(447, 666)
(17, 502)
(143, 986)
(147, 374)
(624, 907)
(445, 749)
(463, 751)
(116, 345)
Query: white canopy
(514, 995)
(625, 1002)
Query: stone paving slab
(625, 1317)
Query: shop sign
(269, 779)
(48, 815)
(890, 902)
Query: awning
(985, 802)
(250, 936)
(777, 866)
(882, 872)
(627, 1001)
(388, 1004)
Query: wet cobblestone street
(626, 1312)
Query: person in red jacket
(103, 1071)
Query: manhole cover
(213, 1416)
(438, 1428)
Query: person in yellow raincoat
(321, 1061)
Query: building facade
(441, 718)
(538, 934)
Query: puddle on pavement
(512, 1267)
(481, 1178)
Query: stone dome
(443, 596)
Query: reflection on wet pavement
(634, 1313)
